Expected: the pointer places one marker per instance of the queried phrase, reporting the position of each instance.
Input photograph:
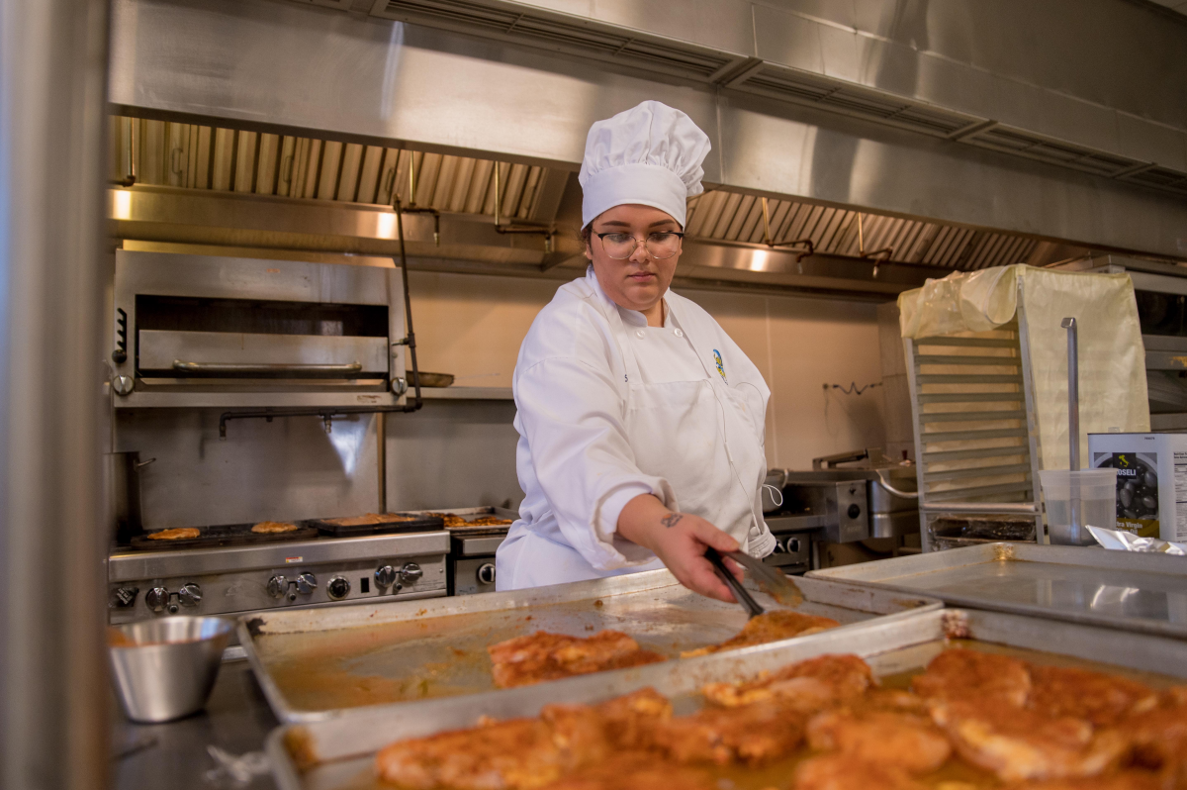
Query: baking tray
(223, 535)
(421, 523)
(1126, 590)
(313, 662)
(336, 753)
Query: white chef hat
(650, 154)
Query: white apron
(701, 436)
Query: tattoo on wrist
(671, 520)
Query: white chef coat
(608, 409)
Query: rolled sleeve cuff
(615, 551)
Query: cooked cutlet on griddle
(180, 533)
(545, 656)
(273, 527)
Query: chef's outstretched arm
(679, 540)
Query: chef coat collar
(630, 317)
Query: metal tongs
(772, 582)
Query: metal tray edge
(1034, 633)
(816, 590)
(866, 574)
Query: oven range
(234, 580)
(471, 564)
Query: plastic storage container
(1076, 499)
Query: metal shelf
(465, 393)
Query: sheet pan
(311, 662)
(1126, 590)
(336, 753)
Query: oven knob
(338, 588)
(486, 573)
(157, 599)
(793, 545)
(854, 510)
(123, 385)
(306, 583)
(123, 597)
(780, 546)
(385, 576)
(278, 586)
(190, 595)
(410, 573)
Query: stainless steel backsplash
(450, 454)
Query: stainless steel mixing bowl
(164, 669)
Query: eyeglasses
(621, 246)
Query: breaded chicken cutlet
(769, 627)
(519, 754)
(810, 685)
(544, 656)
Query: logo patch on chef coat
(720, 365)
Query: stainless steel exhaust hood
(460, 82)
(207, 185)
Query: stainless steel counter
(236, 719)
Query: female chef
(640, 420)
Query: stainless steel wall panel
(1152, 142)
(453, 454)
(724, 25)
(787, 39)
(286, 469)
(839, 53)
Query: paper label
(1137, 490)
(1180, 496)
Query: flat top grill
(222, 535)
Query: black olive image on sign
(1137, 486)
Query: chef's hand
(679, 540)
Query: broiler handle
(227, 367)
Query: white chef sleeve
(571, 414)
